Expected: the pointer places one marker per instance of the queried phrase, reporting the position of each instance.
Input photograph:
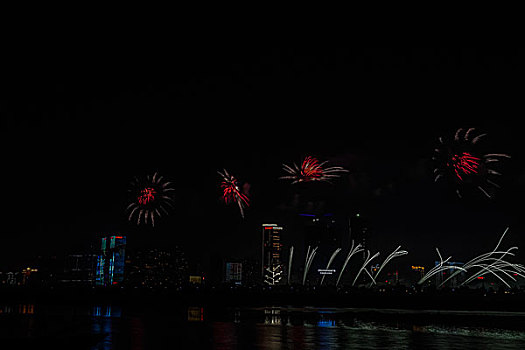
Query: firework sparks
(459, 161)
(231, 192)
(465, 164)
(396, 253)
(310, 254)
(491, 262)
(334, 254)
(150, 197)
(311, 170)
(368, 259)
(353, 251)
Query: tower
(272, 267)
(110, 261)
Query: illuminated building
(195, 314)
(272, 267)
(241, 271)
(233, 273)
(26, 275)
(110, 262)
(196, 279)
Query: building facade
(111, 261)
(233, 272)
(272, 248)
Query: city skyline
(72, 145)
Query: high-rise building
(359, 232)
(110, 261)
(272, 262)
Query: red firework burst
(465, 164)
(460, 159)
(146, 196)
(231, 192)
(311, 170)
(150, 197)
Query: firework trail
(311, 170)
(231, 192)
(368, 259)
(273, 275)
(396, 253)
(479, 258)
(491, 262)
(309, 258)
(150, 198)
(459, 161)
(439, 268)
(290, 265)
(353, 251)
(330, 263)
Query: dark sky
(77, 126)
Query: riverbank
(401, 298)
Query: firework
(150, 198)
(492, 263)
(396, 253)
(353, 251)
(231, 192)
(334, 254)
(290, 259)
(459, 160)
(310, 254)
(311, 170)
(368, 259)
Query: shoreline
(470, 300)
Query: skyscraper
(272, 267)
(110, 261)
(360, 232)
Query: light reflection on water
(111, 327)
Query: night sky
(76, 127)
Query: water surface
(184, 327)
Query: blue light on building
(110, 262)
